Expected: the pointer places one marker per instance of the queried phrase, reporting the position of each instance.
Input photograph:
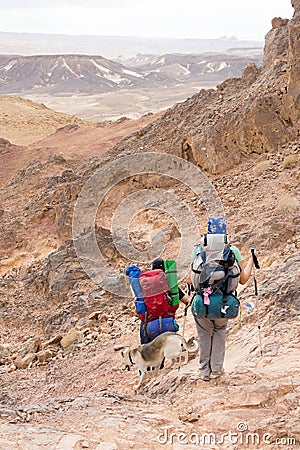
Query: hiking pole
(187, 305)
(256, 266)
(185, 315)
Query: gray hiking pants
(212, 339)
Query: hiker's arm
(246, 270)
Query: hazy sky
(149, 18)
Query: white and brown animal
(165, 346)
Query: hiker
(155, 302)
(211, 326)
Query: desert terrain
(95, 88)
(132, 103)
(63, 327)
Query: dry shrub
(261, 167)
(290, 161)
(287, 204)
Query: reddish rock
(23, 363)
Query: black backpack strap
(147, 316)
(168, 297)
(206, 310)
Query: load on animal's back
(156, 297)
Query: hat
(217, 225)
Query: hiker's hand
(184, 300)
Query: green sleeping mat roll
(172, 279)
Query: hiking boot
(205, 377)
(215, 374)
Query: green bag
(172, 279)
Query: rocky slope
(32, 131)
(23, 121)
(62, 384)
(217, 128)
(64, 329)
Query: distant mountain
(84, 74)
(196, 67)
(64, 74)
(112, 46)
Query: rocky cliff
(252, 114)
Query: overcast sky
(148, 18)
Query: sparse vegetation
(290, 161)
(261, 167)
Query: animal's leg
(185, 356)
(170, 363)
(155, 372)
(140, 382)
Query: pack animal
(167, 345)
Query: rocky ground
(62, 383)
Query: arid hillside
(23, 121)
(97, 89)
(68, 217)
(30, 131)
(253, 114)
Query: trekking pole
(187, 305)
(256, 266)
(185, 315)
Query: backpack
(169, 266)
(215, 274)
(217, 308)
(214, 267)
(156, 295)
